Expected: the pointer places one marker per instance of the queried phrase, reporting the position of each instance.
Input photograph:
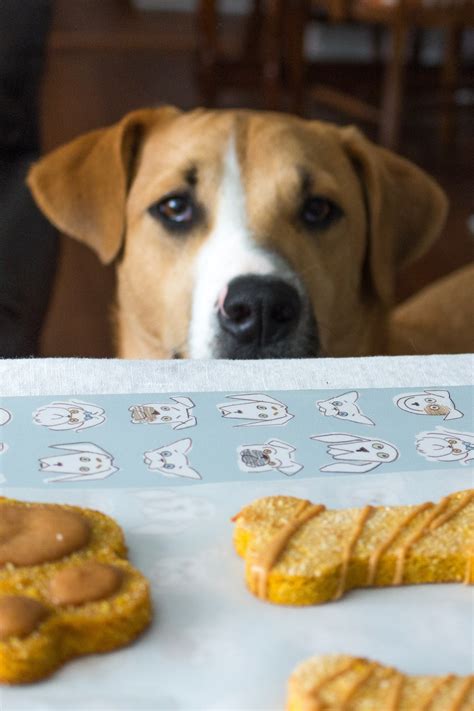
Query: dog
(256, 409)
(437, 403)
(178, 416)
(344, 407)
(171, 460)
(82, 461)
(242, 234)
(352, 453)
(446, 446)
(73, 415)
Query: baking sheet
(213, 645)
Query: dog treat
(66, 588)
(298, 553)
(343, 683)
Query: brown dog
(242, 234)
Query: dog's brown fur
(97, 189)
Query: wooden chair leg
(390, 123)
(253, 32)
(207, 50)
(271, 53)
(296, 18)
(417, 48)
(376, 36)
(449, 78)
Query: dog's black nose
(259, 310)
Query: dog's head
(242, 234)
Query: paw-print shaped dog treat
(66, 588)
(298, 553)
(351, 684)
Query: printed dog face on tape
(356, 454)
(5, 416)
(257, 408)
(446, 446)
(429, 402)
(72, 415)
(343, 407)
(171, 460)
(84, 462)
(179, 416)
(274, 455)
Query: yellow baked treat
(66, 588)
(299, 553)
(342, 683)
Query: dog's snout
(259, 310)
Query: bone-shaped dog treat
(66, 588)
(343, 683)
(299, 553)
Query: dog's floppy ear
(407, 209)
(82, 187)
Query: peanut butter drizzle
(349, 549)
(313, 693)
(440, 520)
(263, 562)
(380, 550)
(396, 691)
(416, 535)
(79, 584)
(31, 535)
(358, 684)
(432, 694)
(461, 696)
(20, 615)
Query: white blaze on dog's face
(171, 460)
(230, 252)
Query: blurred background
(402, 70)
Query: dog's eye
(177, 212)
(318, 212)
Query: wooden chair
(261, 53)
(399, 17)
